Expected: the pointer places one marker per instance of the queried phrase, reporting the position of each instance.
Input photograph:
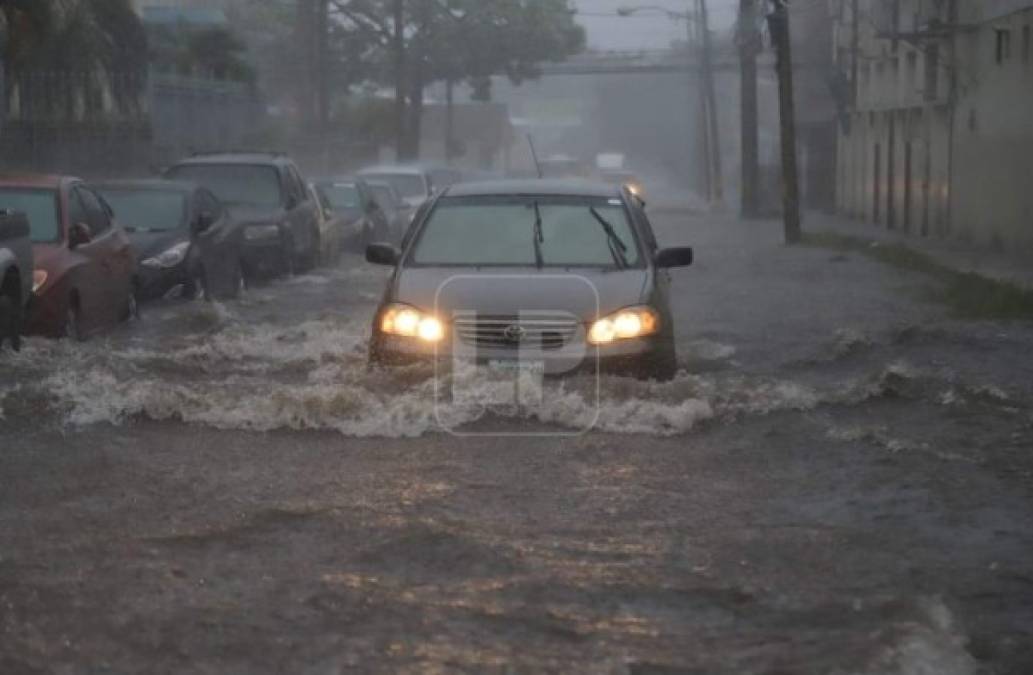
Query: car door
(301, 216)
(114, 256)
(217, 246)
(89, 278)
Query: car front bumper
(635, 357)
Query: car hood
(150, 244)
(256, 215)
(586, 293)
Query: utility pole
(778, 23)
(398, 57)
(749, 45)
(714, 167)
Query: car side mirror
(204, 221)
(680, 256)
(79, 235)
(382, 254)
(292, 202)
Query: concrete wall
(940, 138)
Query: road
(839, 481)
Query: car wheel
(133, 303)
(73, 323)
(238, 282)
(664, 365)
(288, 263)
(11, 311)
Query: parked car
(352, 200)
(332, 227)
(15, 271)
(559, 276)
(182, 237)
(266, 194)
(84, 278)
(414, 183)
(398, 213)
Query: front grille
(527, 331)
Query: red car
(84, 277)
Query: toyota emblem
(515, 333)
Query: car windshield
(409, 185)
(383, 195)
(234, 184)
(342, 196)
(39, 206)
(147, 210)
(485, 231)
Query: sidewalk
(1008, 266)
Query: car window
(297, 185)
(501, 231)
(342, 196)
(409, 185)
(96, 216)
(40, 208)
(205, 201)
(147, 210)
(255, 185)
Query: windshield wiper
(539, 236)
(617, 247)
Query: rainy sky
(649, 29)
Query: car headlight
(633, 322)
(257, 232)
(169, 258)
(408, 321)
(39, 280)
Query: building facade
(936, 133)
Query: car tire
(288, 263)
(238, 282)
(663, 366)
(11, 312)
(72, 328)
(133, 302)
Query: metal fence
(93, 123)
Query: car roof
(35, 180)
(146, 184)
(549, 187)
(402, 169)
(261, 158)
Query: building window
(1003, 45)
(912, 72)
(932, 72)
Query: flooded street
(838, 480)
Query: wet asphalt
(839, 481)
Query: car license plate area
(499, 382)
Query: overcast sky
(647, 29)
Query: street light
(708, 100)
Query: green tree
(418, 42)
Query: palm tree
(24, 24)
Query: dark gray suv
(266, 195)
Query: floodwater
(839, 480)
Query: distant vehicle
(332, 227)
(561, 275)
(182, 237)
(563, 167)
(414, 183)
(15, 272)
(85, 272)
(398, 213)
(352, 200)
(625, 178)
(266, 194)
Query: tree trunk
(749, 39)
(779, 26)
